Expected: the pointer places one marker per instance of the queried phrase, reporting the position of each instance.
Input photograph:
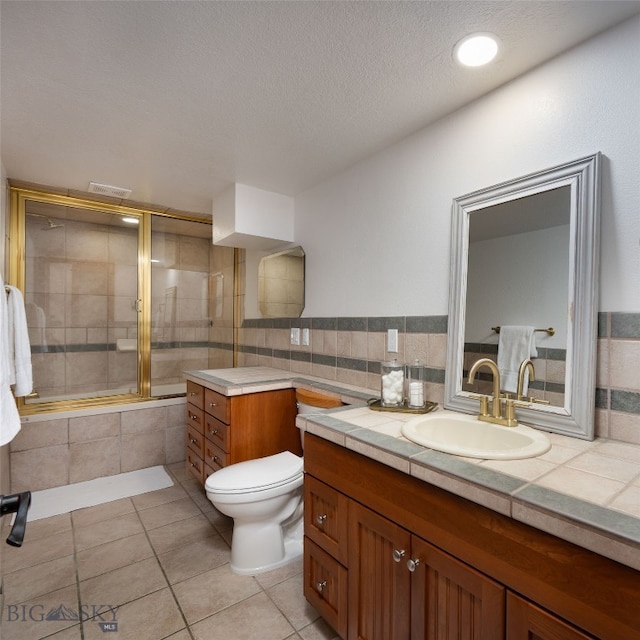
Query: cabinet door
(379, 582)
(450, 600)
(526, 621)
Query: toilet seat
(260, 474)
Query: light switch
(305, 337)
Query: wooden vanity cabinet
(222, 430)
(463, 571)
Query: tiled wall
(62, 450)
(350, 350)
(618, 377)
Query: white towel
(9, 418)
(517, 343)
(19, 346)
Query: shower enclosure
(120, 300)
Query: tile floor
(161, 559)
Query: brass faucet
(496, 416)
(524, 365)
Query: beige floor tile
(288, 597)
(101, 512)
(271, 578)
(71, 633)
(256, 617)
(155, 498)
(34, 552)
(42, 578)
(180, 533)
(153, 617)
(167, 513)
(38, 529)
(115, 528)
(318, 630)
(112, 555)
(28, 621)
(210, 592)
(123, 585)
(191, 559)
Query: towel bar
(550, 331)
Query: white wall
(377, 236)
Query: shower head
(50, 223)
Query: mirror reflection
(281, 284)
(525, 258)
(518, 275)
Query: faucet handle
(510, 413)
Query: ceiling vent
(108, 190)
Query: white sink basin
(465, 435)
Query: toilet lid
(256, 475)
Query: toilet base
(292, 552)
(256, 549)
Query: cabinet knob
(192, 393)
(321, 586)
(194, 441)
(213, 432)
(214, 458)
(398, 554)
(412, 565)
(213, 404)
(321, 519)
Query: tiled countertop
(585, 492)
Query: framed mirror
(525, 253)
(281, 284)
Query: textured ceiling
(176, 99)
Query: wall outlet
(305, 337)
(295, 335)
(392, 340)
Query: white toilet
(264, 498)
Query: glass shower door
(81, 292)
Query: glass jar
(415, 385)
(392, 384)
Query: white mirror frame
(576, 418)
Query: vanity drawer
(195, 394)
(325, 515)
(217, 432)
(325, 586)
(195, 418)
(194, 464)
(195, 441)
(214, 456)
(217, 405)
(208, 470)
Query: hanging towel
(20, 349)
(517, 343)
(9, 418)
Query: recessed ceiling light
(476, 49)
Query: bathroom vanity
(223, 430)
(404, 542)
(389, 556)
